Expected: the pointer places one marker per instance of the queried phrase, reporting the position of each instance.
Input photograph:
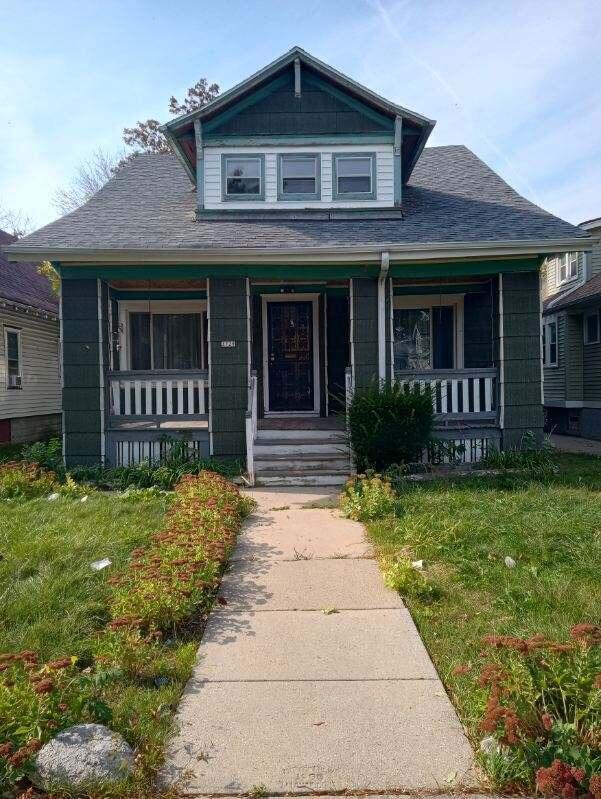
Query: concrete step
(275, 448)
(300, 464)
(314, 478)
(301, 435)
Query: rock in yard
(86, 753)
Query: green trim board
(246, 102)
(397, 155)
(442, 288)
(126, 294)
(286, 140)
(312, 80)
(297, 271)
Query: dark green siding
(278, 112)
(478, 329)
(81, 371)
(575, 357)
(521, 386)
(227, 308)
(365, 330)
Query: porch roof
(148, 209)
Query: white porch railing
(469, 394)
(251, 426)
(158, 393)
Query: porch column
(519, 355)
(84, 313)
(364, 329)
(228, 365)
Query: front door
(290, 356)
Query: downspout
(384, 267)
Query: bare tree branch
(89, 178)
(15, 222)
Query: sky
(518, 82)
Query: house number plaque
(228, 344)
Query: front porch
(217, 363)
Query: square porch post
(84, 321)
(228, 316)
(364, 330)
(519, 356)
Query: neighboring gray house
(571, 292)
(299, 242)
(30, 389)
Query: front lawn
(548, 521)
(114, 645)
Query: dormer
(298, 136)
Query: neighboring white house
(30, 384)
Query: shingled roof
(21, 283)
(452, 197)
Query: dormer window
(299, 177)
(243, 177)
(354, 176)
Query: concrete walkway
(313, 676)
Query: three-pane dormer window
(354, 176)
(243, 177)
(298, 177)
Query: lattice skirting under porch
(468, 447)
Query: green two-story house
(300, 241)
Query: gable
(321, 109)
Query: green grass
(548, 520)
(50, 599)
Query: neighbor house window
(243, 177)
(426, 336)
(298, 177)
(354, 176)
(167, 341)
(591, 327)
(12, 346)
(550, 343)
(567, 267)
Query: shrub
(541, 701)
(22, 480)
(48, 454)
(388, 425)
(368, 497)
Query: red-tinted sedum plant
(177, 574)
(541, 701)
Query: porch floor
(158, 424)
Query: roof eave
(434, 251)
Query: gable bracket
(397, 159)
(297, 77)
(200, 165)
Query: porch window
(243, 177)
(354, 176)
(299, 177)
(12, 344)
(550, 343)
(166, 341)
(425, 336)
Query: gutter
(382, 277)
(364, 254)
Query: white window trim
(433, 301)
(557, 260)
(154, 307)
(546, 343)
(18, 332)
(314, 298)
(588, 343)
